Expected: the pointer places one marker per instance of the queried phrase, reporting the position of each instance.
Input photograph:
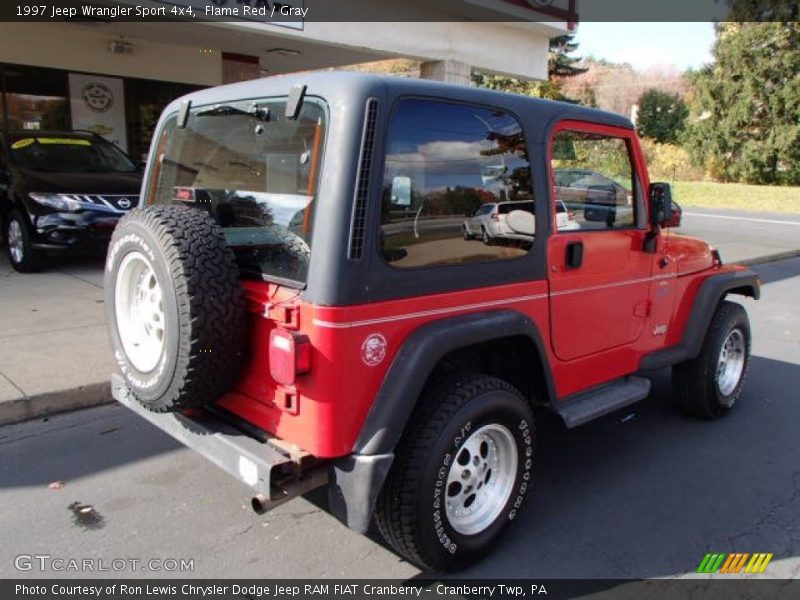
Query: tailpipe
(288, 490)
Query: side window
(448, 167)
(594, 182)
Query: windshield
(255, 172)
(68, 154)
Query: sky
(646, 45)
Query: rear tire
(711, 384)
(461, 473)
(19, 248)
(487, 239)
(174, 307)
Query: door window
(593, 180)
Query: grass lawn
(737, 195)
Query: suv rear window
(506, 207)
(255, 172)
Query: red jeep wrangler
(297, 301)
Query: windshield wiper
(222, 110)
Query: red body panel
(336, 395)
(333, 399)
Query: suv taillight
(495, 217)
(289, 356)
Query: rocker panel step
(586, 406)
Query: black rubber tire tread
(395, 511)
(694, 389)
(210, 299)
(32, 260)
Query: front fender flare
(705, 303)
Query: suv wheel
(461, 472)
(709, 385)
(23, 257)
(174, 307)
(465, 232)
(487, 239)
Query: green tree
(560, 63)
(662, 116)
(560, 60)
(745, 117)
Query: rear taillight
(289, 356)
(184, 194)
(495, 217)
(571, 215)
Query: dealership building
(114, 76)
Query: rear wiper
(221, 110)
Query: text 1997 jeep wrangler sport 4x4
(296, 300)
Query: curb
(51, 403)
(769, 258)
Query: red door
(598, 270)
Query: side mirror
(674, 218)
(596, 213)
(401, 191)
(660, 204)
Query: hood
(80, 183)
(690, 254)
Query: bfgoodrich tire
(461, 473)
(174, 307)
(711, 384)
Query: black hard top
(343, 89)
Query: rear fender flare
(419, 356)
(356, 480)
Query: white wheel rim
(730, 365)
(480, 479)
(15, 241)
(139, 306)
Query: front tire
(711, 384)
(461, 473)
(19, 248)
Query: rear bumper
(275, 475)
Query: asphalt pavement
(744, 235)
(641, 493)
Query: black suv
(61, 191)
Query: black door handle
(574, 258)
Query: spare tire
(175, 307)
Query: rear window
(507, 207)
(255, 172)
